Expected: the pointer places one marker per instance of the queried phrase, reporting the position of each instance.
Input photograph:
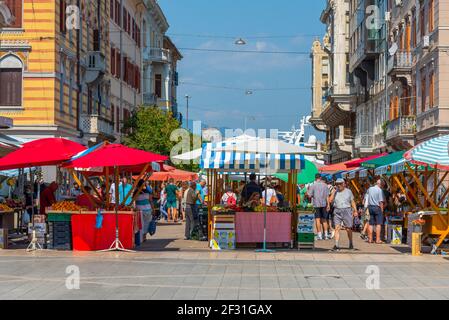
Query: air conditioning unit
(426, 42)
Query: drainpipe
(78, 74)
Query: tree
(149, 129)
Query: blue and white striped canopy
(363, 173)
(248, 162)
(433, 153)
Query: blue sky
(266, 25)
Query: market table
(249, 227)
(86, 237)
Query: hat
(340, 181)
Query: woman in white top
(269, 196)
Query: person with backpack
(229, 198)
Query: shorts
(343, 217)
(376, 216)
(172, 204)
(321, 213)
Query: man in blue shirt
(123, 190)
(200, 191)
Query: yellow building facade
(50, 82)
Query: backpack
(231, 200)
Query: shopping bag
(99, 220)
(152, 227)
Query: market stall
(433, 185)
(266, 225)
(37, 153)
(113, 226)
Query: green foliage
(149, 129)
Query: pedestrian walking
(319, 194)
(144, 204)
(344, 212)
(191, 197)
(376, 203)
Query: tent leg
(264, 249)
(116, 244)
(34, 244)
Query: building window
(423, 93)
(61, 83)
(414, 42)
(430, 15)
(431, 90)
(96, 40)
(62, 16)
(421, 23)
(158, 85)
(71, 83)
(117, 123)
(11, 79)
(16, 9)
(111, 9)
(113, 62)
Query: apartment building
(367, 65)
(73, 68)
(160, 59)
(419, 96)
(334, 114)
(52, 72)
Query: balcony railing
(95, 124)
(401, 60)
(149, 99)
(364, 141)
(404, 125)
(157, 55)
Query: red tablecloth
(249, 227)
(87, 238)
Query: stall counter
(249, 227)
(86, 237)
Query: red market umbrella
(176, 174)
(358, 162)
(42, 152)
(113, 156)
(336, 167)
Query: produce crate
(306, 238)
(60, 235)
(59, 217)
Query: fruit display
(14, 203)
(226, 209)
(120, 208)
(5, 208)
(65, 206)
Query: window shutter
(111, 9)
(118, 66)
(62, 16)
(15, 6)
(113, 61)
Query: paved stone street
(167, 269)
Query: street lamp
(187, 104)
(240, 42)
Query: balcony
(95, 66)
(364, 142)
(400, 63)
(401, 132)
(157, 55)
(92, 124)
(149, 99)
